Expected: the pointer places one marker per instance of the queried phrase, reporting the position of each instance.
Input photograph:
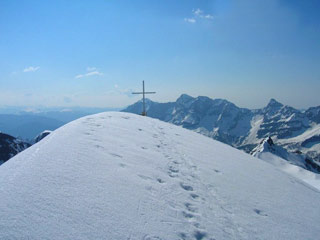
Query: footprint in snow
(144, 177)
(147, 237)
(183, 236)
(199, 235)
(186, 187)
(190, 207)
(260, 212)
(122, 165)
(115, 155)
(194, 196)
(98, 146)
(197, 225)
(173, 169)
(125, 117)
(172, 174)
(160, 180)
(187, 215)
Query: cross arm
(144, 92)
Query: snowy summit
(123, 176)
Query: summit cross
(144, 113)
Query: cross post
(144, 113)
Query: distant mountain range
(26, 123)
(296, 131)
(27, 127)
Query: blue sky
(94, 53)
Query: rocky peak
(184, 98)
(274, 104)
(10, 146)
(42, 135)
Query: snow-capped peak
(42, 135)
(296, 164)
(268, 146)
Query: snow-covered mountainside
(10, 146)
(297, 158)
(294, 164)
(124, 176)
(242, 128)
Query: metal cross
(144, 113)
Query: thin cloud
(190, 20)
(198, 14)
(91, 71)
(79, 76)
(94, 73)
(31, 69)
(208, 16)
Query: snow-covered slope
(294, 164)
(123, 176)
(268, 146)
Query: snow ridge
(123, 176)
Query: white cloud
(31, 69)
(208, 16)
(198, 14)
(190, 20)
(79, 76)
(94, 73)
(91, 71)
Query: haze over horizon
(94, 54)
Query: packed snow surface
(123, 176)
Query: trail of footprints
(191, 207)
